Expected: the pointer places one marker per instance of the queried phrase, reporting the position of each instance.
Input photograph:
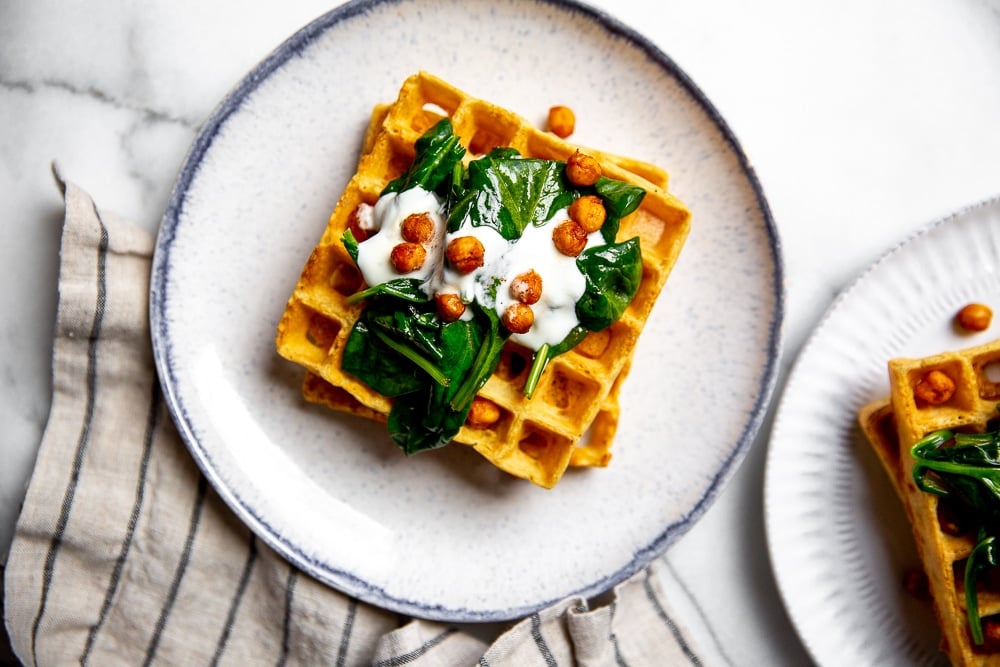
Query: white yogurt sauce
(386, 220)
(562, 282)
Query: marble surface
(863, 119)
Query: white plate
(444, 535)
(837, 535)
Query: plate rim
(230, 104)
(772, 490)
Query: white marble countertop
(864, 120)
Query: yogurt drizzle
(562, 282)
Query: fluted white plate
(838, 539)
(445, 535)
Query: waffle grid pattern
(573, 414)
(892, 425)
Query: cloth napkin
(123, 553)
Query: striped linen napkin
(124, 555)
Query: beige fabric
(124, 555)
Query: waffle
(892, 425)
(577, 396)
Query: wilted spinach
(437, 153)
(432, 369)
(965, 467)
(508, 193)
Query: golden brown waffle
(892, 425)
(535, 438)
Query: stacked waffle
(573, 413)
(944, 538)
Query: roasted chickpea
(465, 253)
(354, 223)
(527, 287)
(589, 212)
(518, 318)
(562, 121)
(582, 169)
(417, 228)
(482, 413)
(974, 317)
(570, 238)
(934, 388)
(407, 257)
(449, 306)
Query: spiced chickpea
(562, 121)
(482, 413)
(407, 257)
(589, 212)
(449, 306)
(570, 238)
(974, 317)
(518, 318)
(354, 224)
(417, 228)
(465, 253)
(527, 287)
(934, 388)
(582, 169)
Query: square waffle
(892, 425)
(577, 396)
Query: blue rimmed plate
(837, 534)
(444, 535)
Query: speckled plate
(838, 538)
(444, 535)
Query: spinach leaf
(437, 152)
(433, 370)
(508, 193)
(368, 358)
(613, 273)
(493, 337)
(430, 418)
(620, 199)
(407, 289)
(983, 557)
(966, 468)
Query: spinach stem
(538, 365)
(972, 567)
(391, 288)
(482, 366)
(415, 357)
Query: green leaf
(492, 339)
(508, 193)
(613, 273)
(965, 468)
(437, 152)
(407, 289)
(369, 359)
(430, 417)
(983, 557)
(620, 199)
